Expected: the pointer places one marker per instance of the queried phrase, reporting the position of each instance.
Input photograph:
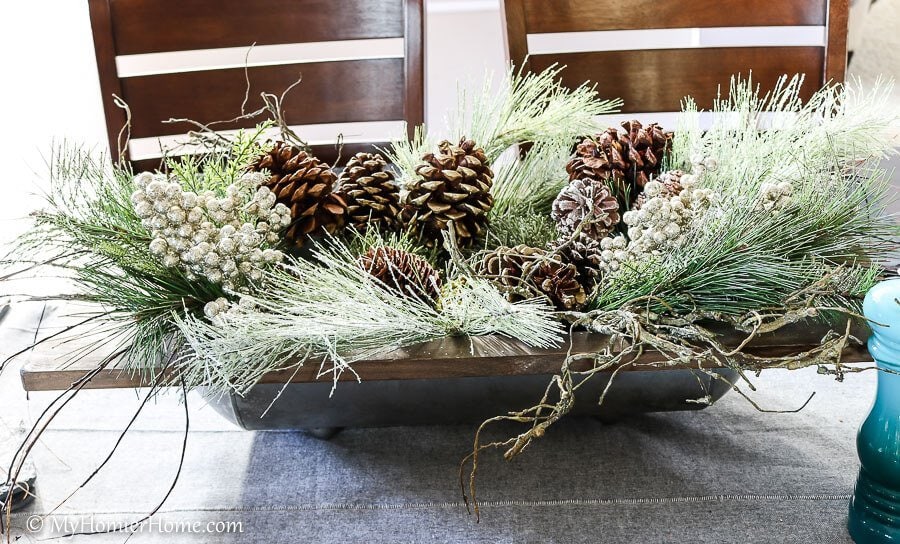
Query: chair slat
(331, 154)
(152, 26)
(331, 92)
(414, 101)
(836, 42)
(653, 80)
(577, 15)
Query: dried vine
(683, 342)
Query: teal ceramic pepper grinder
(875, 507)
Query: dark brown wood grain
(656, 80)
(105, 53)
(414, 74)
(453, 357)
(515, 32)
(333, 153)
(331, 92)
(147, 26)
(836, 40)
(580, 15)
(338, 154)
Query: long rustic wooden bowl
(452, 380)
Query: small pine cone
(522, 272)
(671, 186)
(584, 253)
(602, 159)
(371, 193)
(646, 148)
(504, 266)
(452, 185)
(559, 281)
(586, 201)
(304, 184)
(403, 272)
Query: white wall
(465, 39)
(49, 90)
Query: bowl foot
(323, 433)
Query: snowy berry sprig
(663, 219)
(775, 197)
(223, 239)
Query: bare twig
(125, 130)
(134, 525)
(680, 341)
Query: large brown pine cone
(671, 186)
(523, 272)
(403, 272)
(371, 192)
(453, 185)
(626, 159)
(584, 253)
(305, 185)
(587, 201)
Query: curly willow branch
(683, 343)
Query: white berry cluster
(613, 252)
(222, 307)
(700, 164)
(215, 307)
(223, 239)
(775, 197)
(663, 219)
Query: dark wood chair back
(655, 80)
(383, 83)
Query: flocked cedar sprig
(521, 226)
(222, 164)
(523, 190)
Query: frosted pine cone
(589, 202)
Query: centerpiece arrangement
(529, 221)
